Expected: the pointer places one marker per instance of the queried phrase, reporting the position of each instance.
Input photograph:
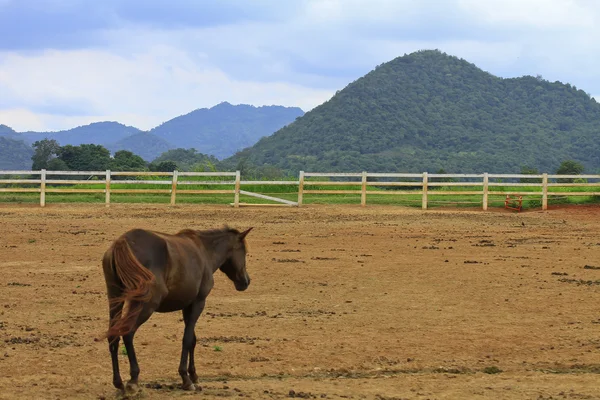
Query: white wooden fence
(395, 184)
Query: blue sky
(65, 63)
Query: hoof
(191, 387)
(194, 378)
(132, 389)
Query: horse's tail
(136, 283)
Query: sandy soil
(374, 303)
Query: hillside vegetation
(428, 111)
(14, 154)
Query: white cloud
(535, 13)
(141, 90)
(142, 76)
(22, 120)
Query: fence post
(300, 188)
(485, 191)
(173, 187)
(107, 189)
(43, 189)
(363, 193)
(425, 181)
(545, 191)
(236, 196)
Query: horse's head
(235, 266)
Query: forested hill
(428, 111)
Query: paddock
(378, 302)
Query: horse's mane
(218, 231)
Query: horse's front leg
(190, 316)
(192, 364)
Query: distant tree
(44, 151)
(445, 179)
(125, 160)
(529, 171)
(164, 166)
(56, 164)
(244, 167)
(569, 167)
(205, 166)
(186, 159)
(269, 172)
(85, 157)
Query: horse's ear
(243, 234)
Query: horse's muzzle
(242, 285)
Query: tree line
(50, 155)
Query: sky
(66, 63)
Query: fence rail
(365, 184)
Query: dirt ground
(346, 302)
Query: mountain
(14, 154)
(224, 129)
(144, 144)
(6, 130)
(103, 133)
(427, 111)
(219, 131)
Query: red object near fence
(513, 203)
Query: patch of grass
(444, 370)
(580, 282)
(217, 348)
(573, 369)
(491, 370)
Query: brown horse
(147, 271)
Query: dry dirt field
(374, 303)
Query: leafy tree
(269, 172)
(529, 171)
(569, 167)
(56, 164)
(164, 166)
(445, 179)
(85, 157)
(206, 166)
(44, 151)
(125, 160)
(186, 159)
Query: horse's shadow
(174, 389)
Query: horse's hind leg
(113, 347)
(190, 317)
(134, 368)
